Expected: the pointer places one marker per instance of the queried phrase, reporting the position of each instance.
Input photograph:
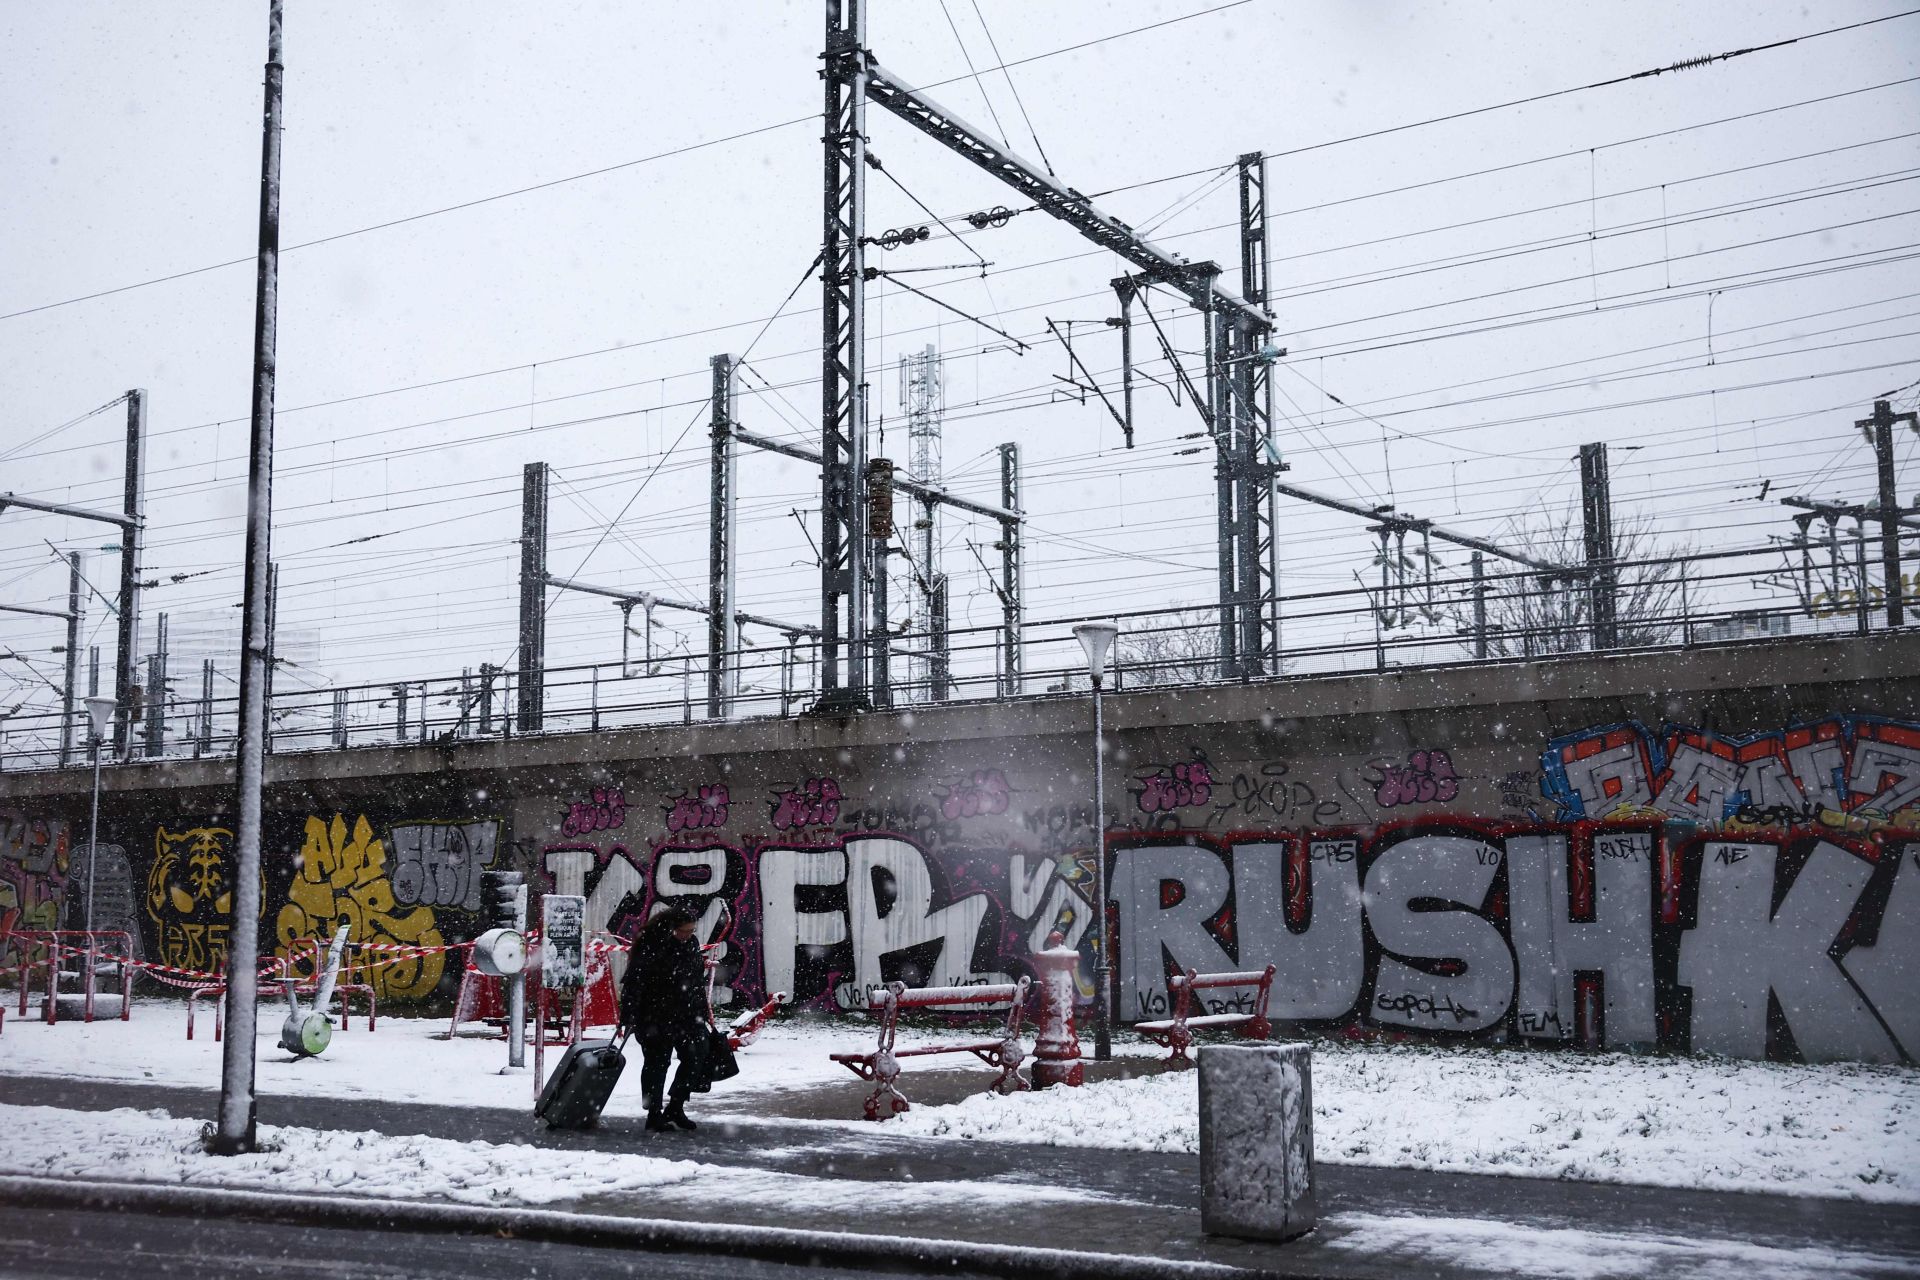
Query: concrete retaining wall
(1713, 850)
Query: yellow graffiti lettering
(342, 878)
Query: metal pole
(204, 743)
(1596, 510)
(533, 594)
(1686, 609)
(1479, 606)
(93, 842)
(723, 663)
(235, 1130)
(517, 989)
(75, 604)
(1260, 556)
(1012, 571)
(1226, 483)
(1881, 425)
(843, 383)
(156, 700)
(879, 534)
(940, 666)
(1865, 619)
(132, 540)
(1103, 963)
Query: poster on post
(563, 941)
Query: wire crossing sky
(516, 233)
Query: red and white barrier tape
(397, 952)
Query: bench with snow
(1177, 1032)
(882, 1065)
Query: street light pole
(1095, 639)
(99, 715)
(234, 1130)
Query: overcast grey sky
(129, 137)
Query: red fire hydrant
(1056, 1050)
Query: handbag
(721, 1063)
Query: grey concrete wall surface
(1704, 849)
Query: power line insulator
(998, 216)
(902, 236)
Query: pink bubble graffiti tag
(814, 803)
(1175, 787)
(701, 810)
(984, 791)
(1428, 778)
(605, 811)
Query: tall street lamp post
(100, 712)
(1096, 638)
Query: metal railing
(1397, 623)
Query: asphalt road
(78, 1243)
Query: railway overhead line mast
(1237, 404)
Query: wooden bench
(882, 1065)
(1177, 1032)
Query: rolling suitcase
(579, 1087)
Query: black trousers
(658, 1045)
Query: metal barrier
(114, 943)
(1702, 599)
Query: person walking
(663, 1004)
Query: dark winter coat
(665, 990)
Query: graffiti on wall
(603, 810)
(702, 809)
(813, 802)
(115, 901)
(35, 857)
(1426, 778)
(825, 921)
(1782, 945)
(438, 864)
(190, 895)
(341, 877)
(1594, 933)
(981, 793)
(1683, 887)
(1174, 786)
(1848, 772)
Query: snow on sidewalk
(1840, 1130)
(402, 1061)
(126, 1145)
(1843, 1130)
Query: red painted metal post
(1056, 1049)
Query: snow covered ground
(402, 1061)
(1829, 1130)
(1834, 1130)
(151, 1146)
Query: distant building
(1757, 624)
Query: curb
(770, 1244)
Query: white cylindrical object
(1256, 1141)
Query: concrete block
(1256, 1141)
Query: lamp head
(1096, 638)
(100, 712)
